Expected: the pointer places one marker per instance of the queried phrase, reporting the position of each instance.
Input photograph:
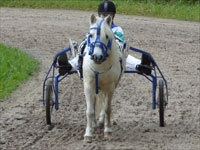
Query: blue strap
(97, 81)
(88, 39)
(109, 44)
(99, 26)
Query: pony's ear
(108, 20)
(93, 19)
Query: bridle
(104, 47)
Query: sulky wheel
(49, 101)
(161, 102)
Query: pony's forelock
(105, 26)
(108, 30)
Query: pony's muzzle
(97, 58)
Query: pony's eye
(91, 35)
(106, 36)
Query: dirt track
(175, 45)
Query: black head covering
(106, 7)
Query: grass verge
(15, 67)
(176, 10)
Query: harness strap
(97, 76)
(97, 82)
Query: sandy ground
(42, 33)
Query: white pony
(103, 66)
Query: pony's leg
(101, 119)
(90, 114)
(107, 122)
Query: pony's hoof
(107, 134)
(87, 139)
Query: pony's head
(99, 40)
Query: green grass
(174, 9)
(15, 67)
(180, 11)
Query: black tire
(49, 102)
(161, 102)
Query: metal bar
(56, 91)
(143, 52)
(63, 51)
(162, 76)
(46, 77)
(139, 50)
(132, 71)
(154, 85)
